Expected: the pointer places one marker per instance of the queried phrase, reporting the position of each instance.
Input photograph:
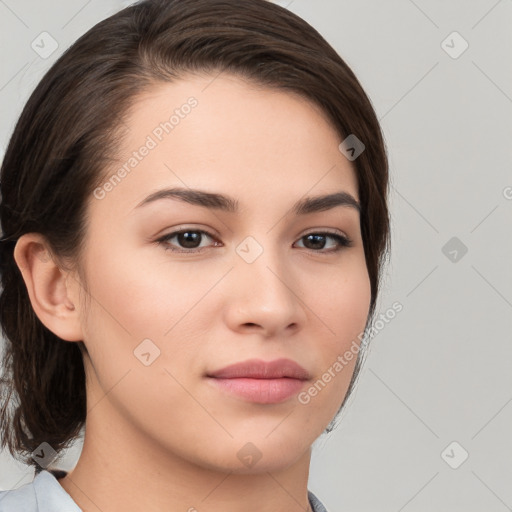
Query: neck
(119, 469)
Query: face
(248, 277)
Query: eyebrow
(225, 203)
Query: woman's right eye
(187, 237)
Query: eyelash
(342, 240)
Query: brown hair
(70, 128)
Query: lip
(258, 369)
(263, 382)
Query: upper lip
(258, 369)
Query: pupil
(316, 239)
(189, 239)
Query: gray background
(439, 372)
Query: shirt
(45, 494)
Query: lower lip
(262, 391)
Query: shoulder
(22, 498)
(43, 494)
(315, 503)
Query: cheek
(132, 302)
(343, 301)
(343, 310)
(138, 296)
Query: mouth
(261, 382)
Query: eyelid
(330, 231)
(187, 227)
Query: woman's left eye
(190, 239)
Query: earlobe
(48, 288)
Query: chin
(263, 453)
(270, 463)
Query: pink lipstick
(261, 382)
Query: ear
(51, 289)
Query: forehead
(224, 133)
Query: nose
(264, 296)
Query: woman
(194, 215)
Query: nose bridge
(259, 262)
(264, 293)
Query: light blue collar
(45, 494)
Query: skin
(161, 437)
